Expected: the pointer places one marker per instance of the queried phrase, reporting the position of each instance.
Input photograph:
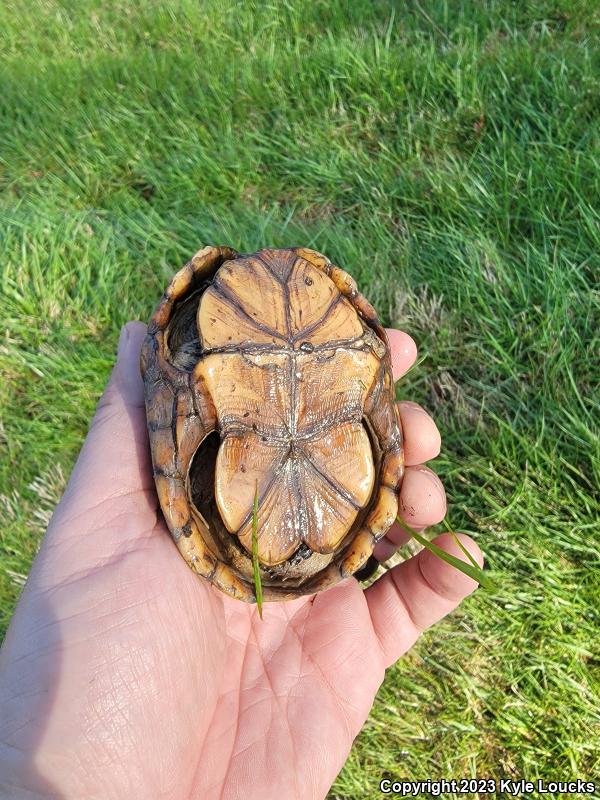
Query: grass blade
(474, 571)
(460, 544)
(255, 566)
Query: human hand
(124, 675)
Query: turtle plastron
(292, 369)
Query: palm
(305, 675)
(123, 674)
(256, 694)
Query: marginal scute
(163, 313)
(229, 583)
(173, 501)
(392, 466)
(181, 282)
(358, 552)
(163, 449)
(383, 515)
(343, 281)
(195, 551)
(317, 259)
(188, 425)
(159, 411)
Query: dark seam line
(241, 427)
(225, 294)
(158, 426)
(191, 384)
(174, 426)
(270, 270)
(325, 425)
(338, 344)
(293, 393)
(259, 347)
(332, 484)
(301, 504)
(307, 331)
(289, 269)
(212, 573)
(175, 475)
(288, 318)
(262, 496)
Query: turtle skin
(270, 373)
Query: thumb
(114, 463)
(126, 377)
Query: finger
(114, 461)
(422, 440)
(395, 538)
(422, 503)
(128, 376)
(422, 498)
(403, 350)
(418, 593)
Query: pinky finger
(418, 593)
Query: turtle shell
(269, 374)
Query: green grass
(446, 153)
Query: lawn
(445, 153)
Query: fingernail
(123, 342)
(433, 480)
(128, 362)
(412, 406)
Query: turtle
(268, 378)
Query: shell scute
(254, 291)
